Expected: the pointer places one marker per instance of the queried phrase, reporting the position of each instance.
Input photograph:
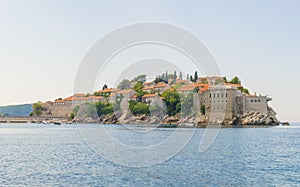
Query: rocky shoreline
(247, 120)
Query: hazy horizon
(43, 43)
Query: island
(168, 99)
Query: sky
(42, 43)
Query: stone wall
(220, 103)
(58, 111)
(252, 103)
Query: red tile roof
(123, 91)
(108, 90)
(149, 95)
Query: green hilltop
(16, 110)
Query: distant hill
(16, 110)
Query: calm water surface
(48, 155)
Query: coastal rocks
(255, 118)
(196, 118)
(110, 119)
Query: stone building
(224, 102)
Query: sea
(58, 155)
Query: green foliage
(139, 92)
(97, 94)
(91, 110)
(172, 99)
(138, 86)
(203, 80)
(72, 115)
(104, 87)
(219, 81)
(16, 110)
(186, 104)
(103, 108)
(235, 80)
(195, 78)
(140, 78)
(202, 109)
(225, 79)
(37, 109)
(75, 110)
(138, 107)
(124, 84)
(160, 79)
(244, 90)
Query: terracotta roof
(97, 97)
(161, 83)
(59, 101)
(146, 83)
(123, 91)
(107, 90)
(181, 81)
(234, 85)
(149, 95)
(134, 96)
(190, 87)
(76, 98)
(148, 88)
(161, 86)
(203, 89)
(79, 95)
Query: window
(218, 95)
(214, 95)
(255, 100)
(210, 95)
(251, 101)
(259, 100)
(222, 95)
(226, 95)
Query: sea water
(49, 155)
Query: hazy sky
(43, 42)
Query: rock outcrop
(255, 118)
(247, 119)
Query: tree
(186, 104)
(235, 80)
(195, 76)
(104, 87)
(141, 78)
(75, 110)
(159, 79)
(138, 107)
(104, 108)
(37, 108)
(124, 84)
(202, 109)
(138, 87)
(175, 75)
(97, 94)
(225, 79)
(244, 90)
(172, 99)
